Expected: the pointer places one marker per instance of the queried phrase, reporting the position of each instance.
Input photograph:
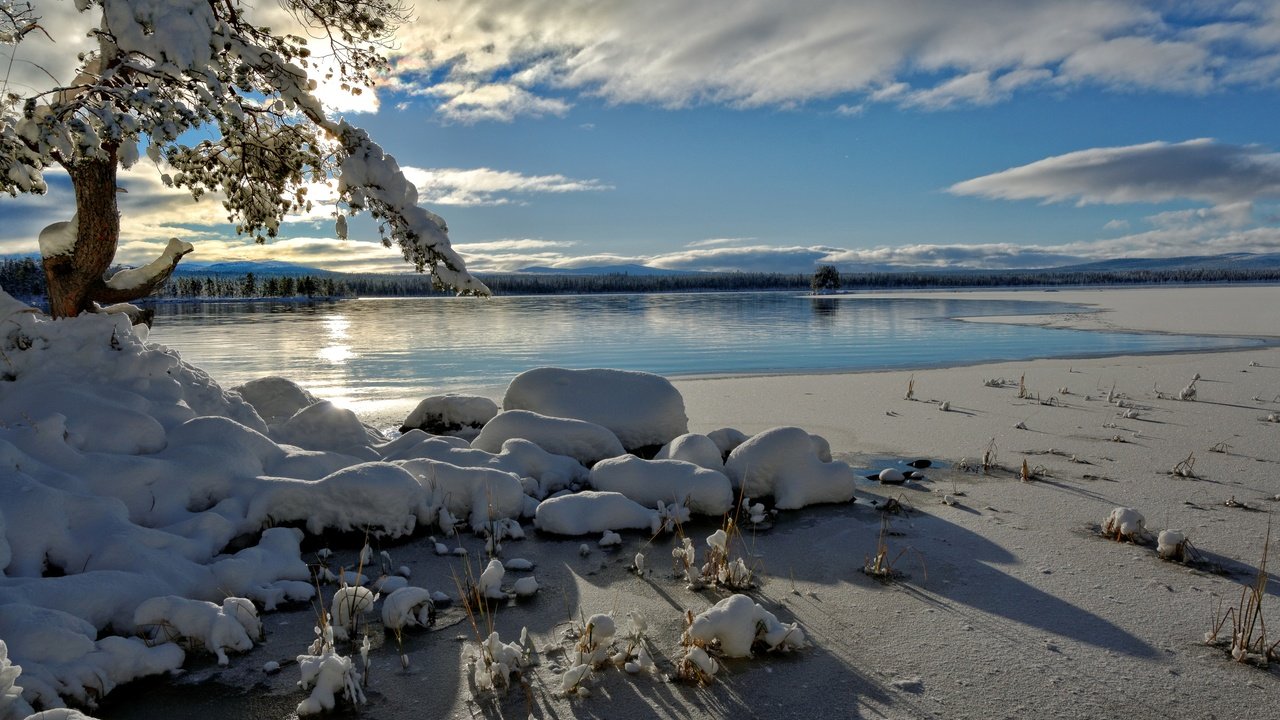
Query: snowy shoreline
(1006, 587)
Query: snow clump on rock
(641, 409)
(451, 414)
(788, 464)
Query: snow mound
(451, 414)
(697, 449)
(787, 463)
(218, 629)
(592, 513)
(737, 623)
(586, 442)
(1124, 523)
(275, 398)
(640, 408)
(649, 482)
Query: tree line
(24, 278)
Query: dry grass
(1248, 641)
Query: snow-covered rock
(640, 408)
(650, 482)
(584, 441)
(407, 607)
(451, 414)
(592, 513)
(726, 439)
(347, 609)
(786, 463)
(275, 398)
(697, 449)
(325, 426)
(737, 622)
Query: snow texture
(586, 442)
(451, 414)
(639, 408)
(787, 463)
(650, 482)
(592, 513)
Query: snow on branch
(153, 274)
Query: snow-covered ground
(138, 500)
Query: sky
(758, 135)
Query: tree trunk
(76, 277)
(73, 276)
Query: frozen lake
(369, 354)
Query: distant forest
(24, 278)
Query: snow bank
(61, 658)
(583, 441)
(697, 449)
(640, 408)
(380, 496)
(737, 622)
(481, 495)
(787, 463)
(591, 513)
(451, 414)
(649, 482)
(522, 458)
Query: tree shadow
(959, 567)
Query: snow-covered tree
(219, 104)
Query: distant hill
(629, 269)
(278, 268)
(1227, 261)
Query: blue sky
(757, 135)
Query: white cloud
(469, 102)
(485, 186)
(1198, 170)
(499, 55)
(714, 242)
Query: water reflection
(377, 350)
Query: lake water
(369, 354)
